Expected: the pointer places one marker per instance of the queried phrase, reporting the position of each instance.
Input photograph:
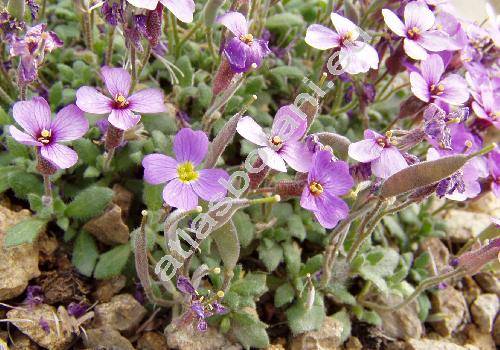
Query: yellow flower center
(45, 136)
(413, 32)
(186, 172)
(437, 90)
(315, 188)
(247, 38)
(121, 101)
(276, 140)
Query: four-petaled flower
(45, 133)
(355, 56)
(283, 144)
(428, 85)
(419, 37)
(184, 182)
(327, 180)
(200, 308)
(120, 106)
(243, 49)
(182, 9)
(380, 151)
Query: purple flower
(428, 85)
(283, 144)
(44, 324)
(417, 30)
(355, 56)
(112, 12)
(185, 286)
(45, 133)
(184, 182)
(243, 49)
(182, 9)
(437, 121)
(487, 104)
(494, 168)
(77, 310)
(34, 296)
(120, 106)
(327, 180)
(385, 158)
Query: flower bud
(223, 77)
(153, 25)
(290, 188)
(114, 137)
(44, 166)
(210, 11)
(411, 107)
(257, 178)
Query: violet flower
(429, 86)
(199, 308)
(243, 50)
(487, 104)
(120, 106)
(182, 9)
(283, 144)
(327, 180)
(417, 30)
(184, 182)
(437, 121)
(34, 296)
(45, 133)
(355, 56)
(77, 310)
(380, 151)
(494, 168)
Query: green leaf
(24, 232)
(312, 265)
(89, 203)
(284, 295)
(4, 177)
(55, 94)
(24, 183)
(249, 330)
(184, 64)
(384, 267)
(87, 150)
(17, 149)
(296, 227)
(112, 262)
(152, 196)
(226, 239)
(284, 20)
(271, 254)
(341, 294)
(343, 317)
(424, 306)
(301, 320)
(85, 254)
(287, 72)
(291, 252)
(253, 284)
(244, 227)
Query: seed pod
(223, 77)
(16, 9)
(288, 189)
(220, 142)
(153, 25)
(338, 143)
(411, 107)
(421, 174)
(45, 167)
(474, 261)
(311, 111)
(257, 178)
(210, 11)
(114, 137)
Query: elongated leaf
(89, 203)
(226, 239)
(24, 232)
(112, 262)
(85, 254)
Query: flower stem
(193, 30)
(272, 199)
(47, 197)
(109, 158)
(133, 67)
(109, 49)
(210, 41)
(483, 151)
(22, 92)
(173, 21)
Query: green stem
(191, 32)
(109, 49)
(483, 151)
(133, 67)
(5, 96)
(173, 21)
(145, 59)
(109, 158)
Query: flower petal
(390, 162)
(159, 168)
(182, 9)
(235, 22)
(455, 90)
(414, 50)
(393, 22)
(288, 124)
(90, 100)
(358, 57)
(180, 195)
(297, 156)
(250, 130)
(344, 26)
(272, 159)
(417, 14)
(321, 161)
(435, 41)
(144, 4)
(342, 182)
(70, 124)
(33, 115)
(321, 37)
(207, 186)
(117, 81)
(236, 53)
(22, 137)
(60, 155)
(123, 119)
(308, 200)
(147, 101)
(419, 87)
(365, 151)
(330, 211)
(190, 146)
(432, 69)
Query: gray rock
(109, 228)
(439, 251)
(123, 198)
(400, 324)
(107, 338)
(452, 305)
(484, 310)
(152, 341)
(122, 313)
(30, 321)
(489, 282)
(475, 337)
(188, 338)
(18, 264)
(327, 337)
(428, 344)
(462, 225)
(496, 331)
